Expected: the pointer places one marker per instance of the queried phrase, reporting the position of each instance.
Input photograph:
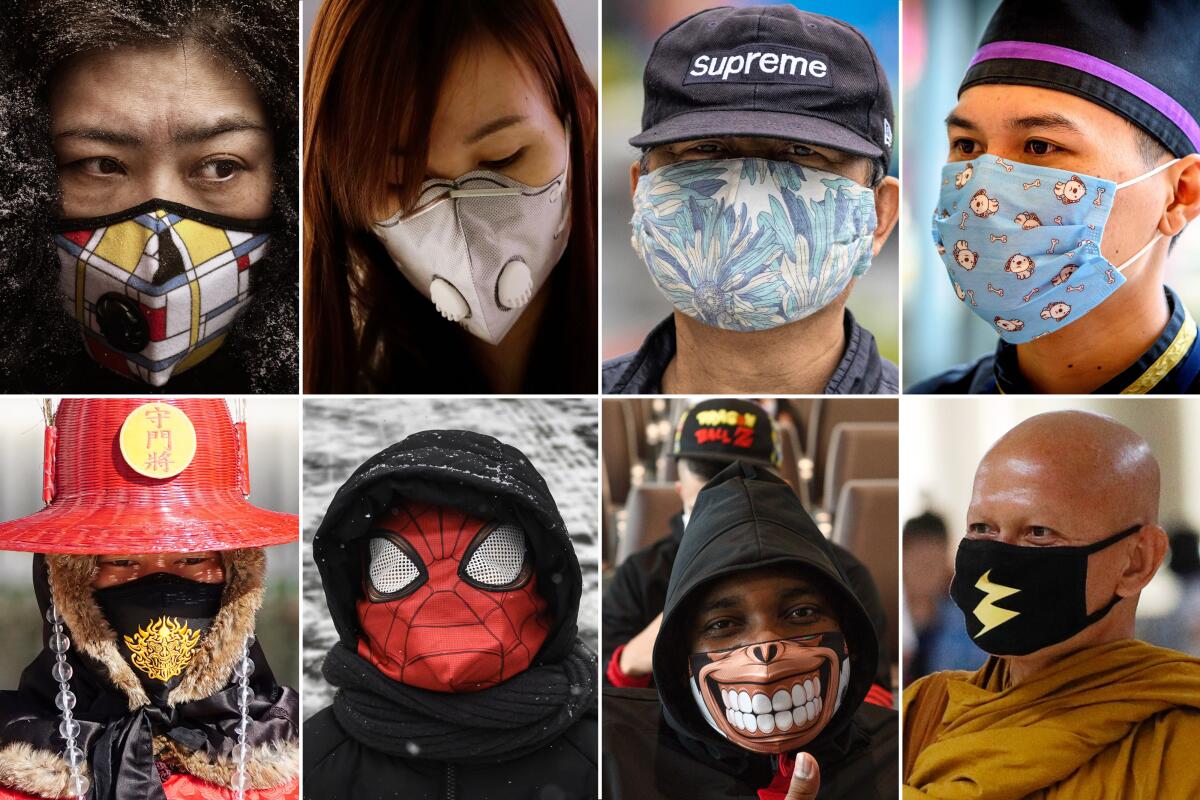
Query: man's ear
(1185, 205)
(887, 210)
(635, 172)
(1150, 548)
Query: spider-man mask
(450, 601)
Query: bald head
(1084, 475)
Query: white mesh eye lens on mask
(392, 569)
(496, 559)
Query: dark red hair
(375, 71)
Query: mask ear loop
(1157, 234)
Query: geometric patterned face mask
(156, 287)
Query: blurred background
(840, 456)
(579, 16)
(559, 436)
(940, 37)
(630, 302)
(944, 439)
(273, 440)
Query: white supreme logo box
(759, 63)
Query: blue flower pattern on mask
(751, 244)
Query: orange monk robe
(1119, 721)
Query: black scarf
(502, 723)
(119, 743)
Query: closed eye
(507, 161)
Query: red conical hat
(134, 475)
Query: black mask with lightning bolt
(1017, 600)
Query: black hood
(41, 348)
(746, 518)
(471, 472)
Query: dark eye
(393, 568)
(803, 613)
(219, 169)
(497, 558)
(964, 147)
(100, 165)
(800, 150)
(718, 625)
(704, 150)
(978, 528)
(1039, 148)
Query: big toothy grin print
(793, 704)
(772, 697)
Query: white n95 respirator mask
(479, 247)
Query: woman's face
(492, 114)
(203, 567)
(170, 122)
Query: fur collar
(46, 775)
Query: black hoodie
(532, 736)
(744, 519)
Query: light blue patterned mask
(1021, 243)
(747, 244)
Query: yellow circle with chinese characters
(158, 440)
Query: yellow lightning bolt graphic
(987, 612)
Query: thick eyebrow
(1049, 120)
(192, 135)
(223, 125)
(734, 601)
(728, 601)
(498, 124)
(798, 592)
(955, 121)
(100, 135)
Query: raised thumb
(806, 780)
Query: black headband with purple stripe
(1135, 59)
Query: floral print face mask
(748, 244)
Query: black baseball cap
(728, 429)
(1135, 59)
(770, 71)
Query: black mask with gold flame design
(160, 621)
